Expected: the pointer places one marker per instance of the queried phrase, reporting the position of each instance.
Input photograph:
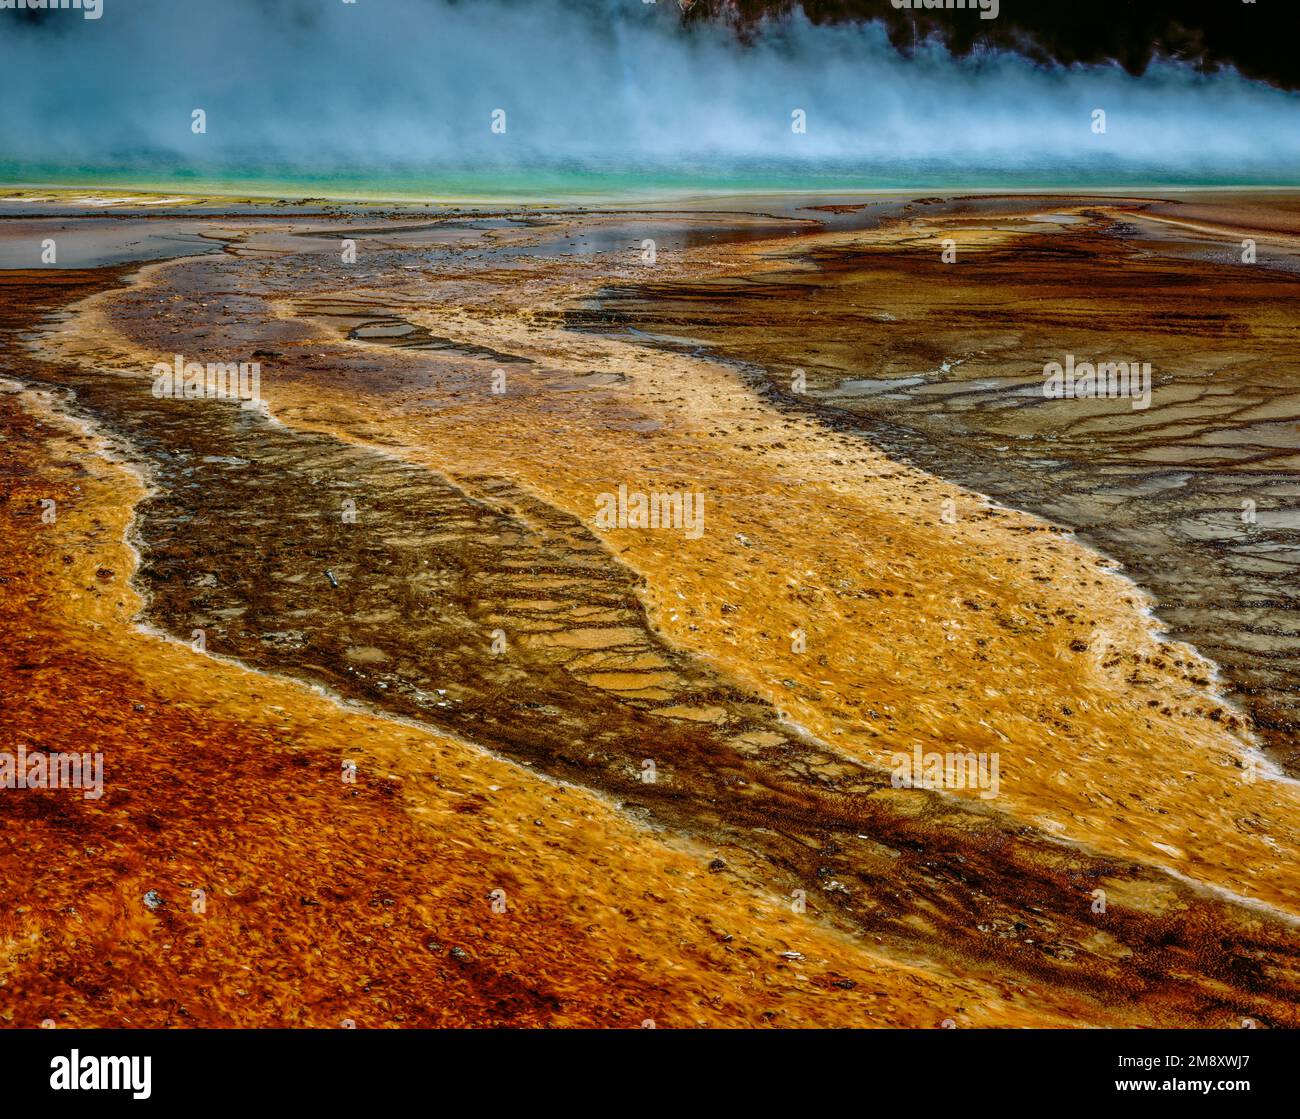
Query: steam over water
(401, 95)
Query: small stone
(153, 899)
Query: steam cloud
(409, 86)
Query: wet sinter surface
(942, 364)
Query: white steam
(411, 85)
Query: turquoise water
(593, 181)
